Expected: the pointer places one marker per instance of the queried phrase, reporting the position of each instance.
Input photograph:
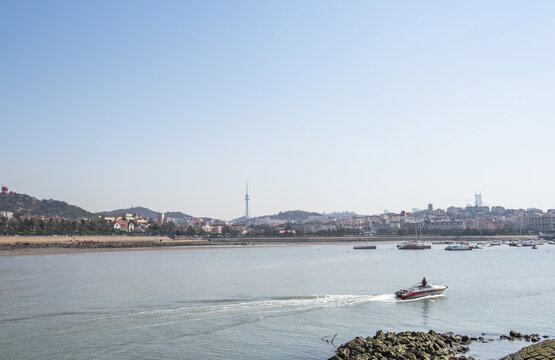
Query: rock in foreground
(409, 345)
(540, 351)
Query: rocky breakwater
(540, 351)
(514, 335)
(408, 345)
(431, 345)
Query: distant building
(497, 209)
(6, 214)
(217, 228)
(483, 209)
(161, 218)
(444, 225)
(239, 227)
(314, 228)
(539, 222)
(285, 232)
(471, 209)
(477, 199)
(267, 220)
(123, 225)
(452, 210)
(430, 207)
(317, 218)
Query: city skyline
(478, 203)
(323, 107)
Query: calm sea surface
(263, 302)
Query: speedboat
(417, 291)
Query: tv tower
(247, 202)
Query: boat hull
(415, 247)
(364, 247)
(458, 248)
(418, 293)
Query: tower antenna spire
(247, 202)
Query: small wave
(301, 297)
(212, 301)
(47, 315)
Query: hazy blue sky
(320, 105)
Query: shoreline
(39, 245)
(416, 345)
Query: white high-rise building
(478, 199)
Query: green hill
(144, 212)
(295, 215)
(21, 204)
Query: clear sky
(319, 105)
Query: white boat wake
(429, 297)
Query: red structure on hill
(4, 190)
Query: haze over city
(359, 106)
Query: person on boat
(424, 282)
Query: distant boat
(535, 247)
(367, 246)
(364, 247)
(550, 236)
(456, 247)
(413, 246)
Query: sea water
(280, 302)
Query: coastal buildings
(124, 226)
(6, 214)
(539, 221)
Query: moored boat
(420, 290)
(413, 246)
(364, 247)
(456, 247)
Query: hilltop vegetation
(21, 204)
(295, 215)
(144, 212)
